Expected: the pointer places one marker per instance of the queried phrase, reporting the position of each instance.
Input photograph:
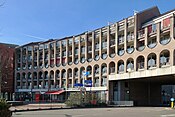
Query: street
(102, 112)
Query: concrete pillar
(100, 74)
(172, 27)
(54, 46)
(32, 56)
(93, 45)
(146, 36)
(61, 53)
(43, 56)
(135, 31)
(116, 38)
(125, 34)
(38, 57)
(100, 43)
(79, 49)
(67, 51)
(158, 32)
(73, 78)
(61, 78)
(108, 39)
(86, 46)
(73, 49)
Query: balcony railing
(140, 48)
(104, 45)
(164, 61)
(96, 46)
(130, 37)
(141, 34)
(112, 42)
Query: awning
(54, 92)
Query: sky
(25, 21)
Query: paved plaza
(102, 112)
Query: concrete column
(61, 53)
(93, 45)
(100, 75)
(135, 31)
(43, 56)
(54, 46)
(21, 55)
(158, 32)
(86, 46)
(73, 78)
(49, 83)
(37, 57)
(171, 57)
(108, 38)
(60, 79)
(145, 63)
(67, 51)
(146, 36)
(125, 34)
(125, 66)
(93, 75)
(135, 64)
(54, 77)
(119, 90)
(66, 79)
(100, 43)
(157, 60)
(73, 48)
(172, 27)
(49, 54)
(79, 49)
(27, 58)
(32, 56)
(116, 38)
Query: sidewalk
(39, 106)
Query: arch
(51, 74)
(89, 70)
(23, 75)
(164, 58)
(46, 75)
(57, 74)
(63, 73)
(104, 68)
(69, 72)
(35, 75)
(151, 60)
(121, 66)
(130, 64)
(96, 69)
(140, 62)
(111, 67)
(76, 72)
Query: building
(7, 52)
(130, 60)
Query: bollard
(172, 102)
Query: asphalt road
(102, 112)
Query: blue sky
(24, 21)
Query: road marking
(172, 115)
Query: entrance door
(168, 91)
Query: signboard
(78, 85)
(88, 83)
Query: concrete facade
(136, 47)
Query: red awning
(54, 92)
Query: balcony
(83, 50)
(76, 41)
(82, 40)
(70, 53)
(121, 27)
(141, 34)
(121, 40)
(112, 42)
(82, 60)
(130, 37)
(64, 54)
(96, 47)
(89, 49)
(76, 51)
(70, 75)
(104, 56)
(104, 45)
(76, 61)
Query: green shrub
(79, 99)
(4, 109)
